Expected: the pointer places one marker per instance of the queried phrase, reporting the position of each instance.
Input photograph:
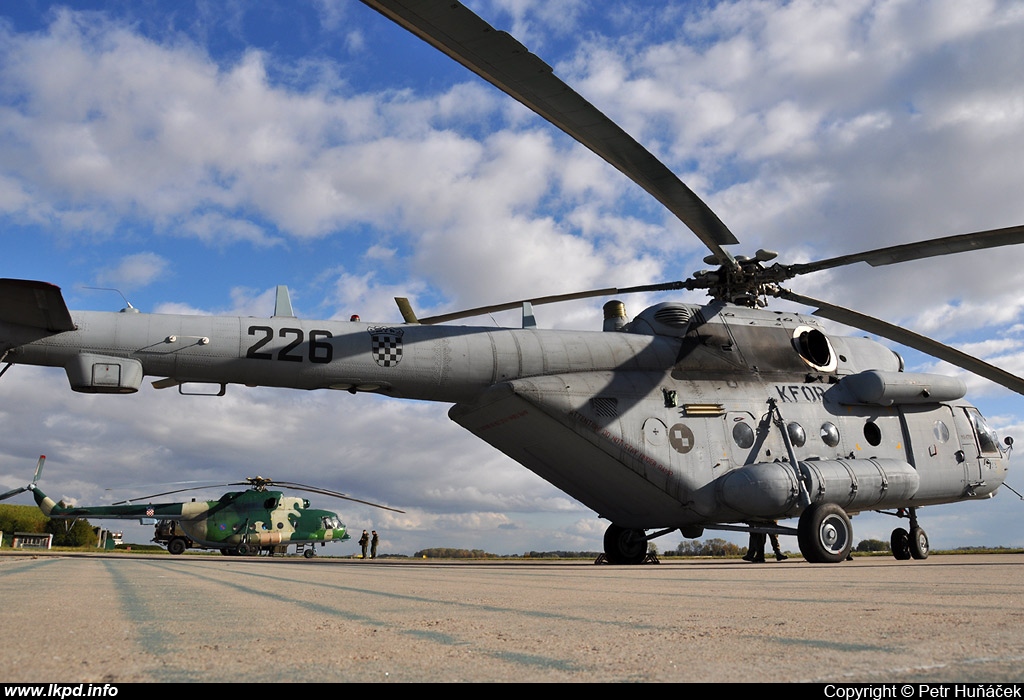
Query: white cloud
(134, 270)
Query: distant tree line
(718, 547)
(715, 547)
(451, 553)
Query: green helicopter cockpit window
(331, 523)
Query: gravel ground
(149, 618)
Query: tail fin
(34, 304)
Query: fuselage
(434, 363)
(255, 518)
(686, 415)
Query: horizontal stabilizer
(34, 304)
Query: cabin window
(829, 434)
(941, 431)
(797, 436)
(743, 434)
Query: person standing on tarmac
(364, 541)
(755, 548)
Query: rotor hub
(744, 281)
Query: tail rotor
(35, 479)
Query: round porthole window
(797, 436)
(743, 434)
(829, 434)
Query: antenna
(112, 289)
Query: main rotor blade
(552, 299)
(335, 494)
(934, 348)
(922, 249)
(500, 59)
(168, 493)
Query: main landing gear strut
(624, 545)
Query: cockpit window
(331, 523)
(988, 441)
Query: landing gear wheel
(825, 533)
(899, 542)
(309, 553)
(177, 546)
(918, 543)
(624, 546)
(243, 549)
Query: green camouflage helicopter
(247, 522)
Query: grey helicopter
(687, 417)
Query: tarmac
(125, 618)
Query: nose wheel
(899, 542)
(909, 545)
(918, 543)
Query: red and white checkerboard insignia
(386, 345)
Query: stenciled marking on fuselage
(634, 451)
(502, 421)
(790, 393)
(319, 351)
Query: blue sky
(194, 155)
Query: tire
(624, 546)
(825, 534)
(918, 542)
(243, 549)
(899, 541)
(309, 553)
(177, 546)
